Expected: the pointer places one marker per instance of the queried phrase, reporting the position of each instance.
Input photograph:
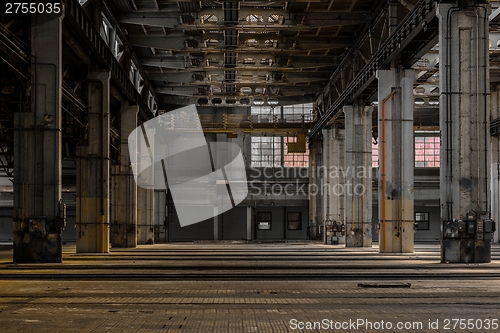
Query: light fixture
(434, 101)
(272, 101)
(419, 101)
(258, 101)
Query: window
(264, 114)
(294, 221)
(266, 151)
(139, 84)
(296, 112)
(374, 155)
(272, 151)
(422, 220)
(118, 48)
(254, 18)
(133, 73)
(264, 221)
(427, 151)
(106, 30)
(152, 103)
(298, 160)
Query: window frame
(427, 220)
(258, 220)
(288, 221)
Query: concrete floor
(235, 287)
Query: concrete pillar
(327, 161)
(464, 123)
(38, 217)
(145, 212)
(216, 225)
(145, 197)
(315, 211)
(338, 204)
(358, 182)
(495, 161)
(333, 180)
(249, 223)
(396, 160)
(160, 213)
(316, 189)
(92, 170)
(124, 187)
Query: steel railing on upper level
(406, 31)
(84, 28)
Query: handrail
(83, 26)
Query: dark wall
(6, 226)
(278, 229)
(233, 224)
(199, 231)
(69, 233)
(434, 232)
(298, 234)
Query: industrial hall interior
(359, 122)
(254, 140)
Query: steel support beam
(396, 160)
(287, 92)
(171, 20)
(38, 218)
(280, 44)
(92, 170)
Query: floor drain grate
(384, 285)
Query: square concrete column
(249, 223)
(145, 193)
(464, 122)
(315, 204)
(160, 213)
(93, 170)
(124, 187)
(358, 181)
(338, 204)
(216, 224)
(396, 160)
(495, 160)
(333, 180)
(38, 213)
